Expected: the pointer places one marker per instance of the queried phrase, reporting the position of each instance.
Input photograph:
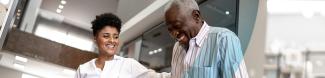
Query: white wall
(296, 31)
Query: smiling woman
(106, 29)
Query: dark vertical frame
(237, 16)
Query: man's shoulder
(221, 32)
(216, 30)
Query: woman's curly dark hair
(106, 19)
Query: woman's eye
(116, 37)
(106, 36)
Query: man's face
(180, 25)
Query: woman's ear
(94, 39)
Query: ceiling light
(61, 6)
(58, 10)
(63, 2)
(21, 59)
(159, 50)
(227, 12)
(18, 14)
(150, 52)
(155, 51)
(20, 66)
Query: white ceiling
(136, 15)
(129, 8)
(81, 11)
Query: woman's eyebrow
(105, 33)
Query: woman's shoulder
(129, 61)
(87, 65)
(125, 59)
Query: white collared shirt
(118, 67)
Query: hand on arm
(142, 72)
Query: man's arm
(233, 64)
(241, 72)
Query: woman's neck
(103, 57)
(100, 61)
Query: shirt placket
(189, 54)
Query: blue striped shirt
(214, 53)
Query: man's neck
(197, 29)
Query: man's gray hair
(184, 5)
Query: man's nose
(175, 33)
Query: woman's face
(107, 40)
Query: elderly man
(202, 51)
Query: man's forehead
(173, 11)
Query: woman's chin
(110, 52)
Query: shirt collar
(199, 38)
(116, 57)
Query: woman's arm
(78, 75)
(139, 71)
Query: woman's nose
(110, 39)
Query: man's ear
(196, 16)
